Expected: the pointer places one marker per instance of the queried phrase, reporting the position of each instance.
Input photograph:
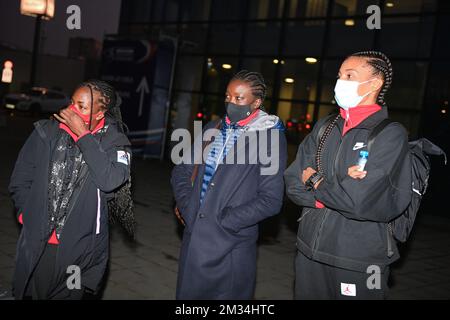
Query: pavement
(147, 268)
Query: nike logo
(359, 145)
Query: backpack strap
(375, 131)
(324, 127)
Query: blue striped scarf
(225, 139)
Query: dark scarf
(67, 172)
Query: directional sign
(143, 90)
(141, 72)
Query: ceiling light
(311, 60)
(289, 80)
(349, 22)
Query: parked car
(37, 100)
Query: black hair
(109, 99)
(255, 80)
(322, 140)
(121, 207)
(381, 65)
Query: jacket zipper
(317, 240)
(305, 214)
(325, 215)
(336, 157)
(389, 232)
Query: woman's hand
(307, 173)
(72, 120)
(355, 173)
(179, 217)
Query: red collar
(245, 121)
(354, 116)
(64, 127)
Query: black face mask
(237, 112)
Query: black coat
(351, 232)
(84, 241)
(218, 253)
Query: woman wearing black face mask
(222, 202)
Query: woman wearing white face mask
(344, 243)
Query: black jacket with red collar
(84, 241)
(351, 232)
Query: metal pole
(175, 41)
(34, 58)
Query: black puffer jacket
(351, 232)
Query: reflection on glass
(195, 10)
(193, 37)
(304, 76)
(408, 85)
(308, 8)
(225, 38)
(218, 76)
(172, 7)
(407, 36)
(410, 6)
(352, 7)
(227, 10)
(262, 39)
(304, 38)
(189, 71)
(265, 9)
(345, 40)
(442, 43)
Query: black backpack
(420, 150)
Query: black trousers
(318, 281)
(42, 284)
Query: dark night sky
(97, 18)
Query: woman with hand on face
(343, 235)
(222, 202)
(70, 175)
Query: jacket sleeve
(182, 173)
(385, 192)
(182, 185)
(268, 201)
(295, 188)
(109, 168)
(23, 173)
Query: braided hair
(322, 140)
(381, 65)
(121, 207)
(256, 82)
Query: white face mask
(346, 93)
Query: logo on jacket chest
(359, 145)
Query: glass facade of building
(298, 45)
